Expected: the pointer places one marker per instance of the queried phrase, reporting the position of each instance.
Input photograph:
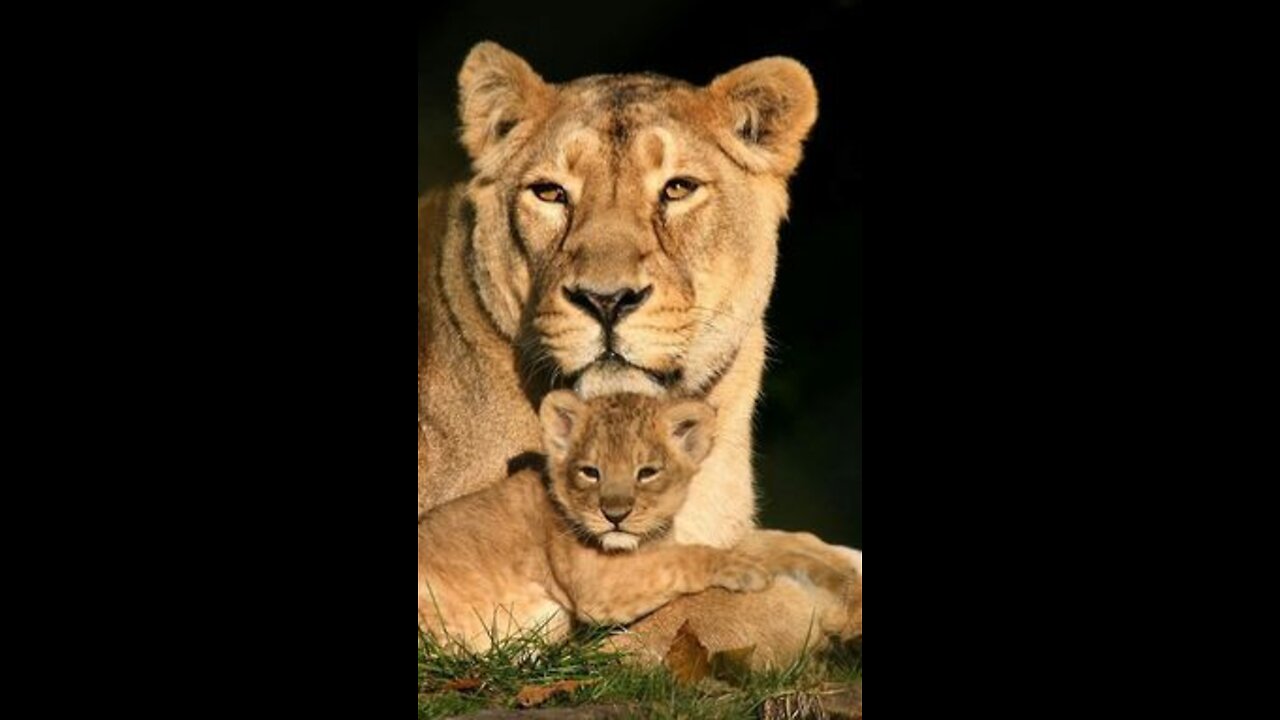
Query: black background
(809, 441)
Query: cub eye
(550, 193)
(647, 474)
(590, 473)
(679, 189)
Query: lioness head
(620, 465)
(627, 224)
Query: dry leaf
(532, 696)
(733, 666)
(687, 658)
(464, 685)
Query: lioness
(619, 234)
(586, 540)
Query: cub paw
(742, 575)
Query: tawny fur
(496, 332)
(539, 564)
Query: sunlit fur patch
(656, 153)
(854, 557)
(574, 147)
(619, 542)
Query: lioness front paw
(742, 575)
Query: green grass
(514, 664)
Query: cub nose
(616, 514)
(608, 308)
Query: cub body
(587, 540)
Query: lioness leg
(832, 567)
(782, 622)
(803, 611)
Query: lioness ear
(562, 415)
(690, 426)
(498, 92)
(768, 107)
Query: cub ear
(497, 93)
(690, 428)
(562, 416)
(768, 108)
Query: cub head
(620, 465)
(625, 226)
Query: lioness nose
(616, 514)
(608, 308)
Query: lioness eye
(590, 473)
(679, 189)
(647, 474)
(550, 193)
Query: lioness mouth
(611, 374)
(612, 362)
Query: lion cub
(587, 539)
